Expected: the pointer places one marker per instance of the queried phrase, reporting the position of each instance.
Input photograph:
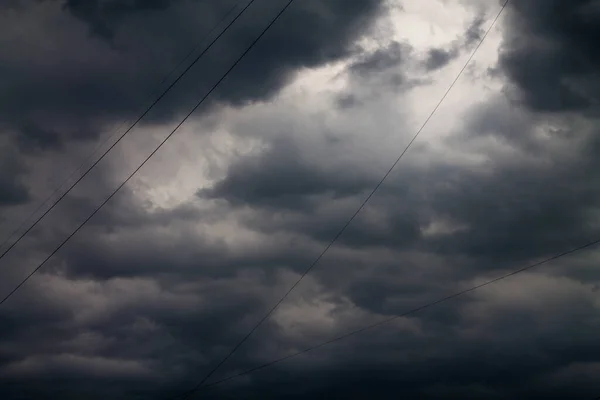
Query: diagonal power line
(198, 104)
(407, 313)
(353, 217)
(105, 141)
(158, 99)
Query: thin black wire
(151, 154)
(128, 130)
(407, 313)
(89, 157)
(364, 203)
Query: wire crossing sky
(405, 314)
(347, 224)
(112, 146)
(32, 273)
(104, 142)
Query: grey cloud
(511, 209)
(440, 57)
(13, 190)
(180, 322)
(540, 197)
(144, 301)
(507, 212)
(394, 55)
(65, 85)
(281, 176)
(104, 16)
(394, 360)
(550, 53)
(348, 101)
(475, 31)
(384, 70)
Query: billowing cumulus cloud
(165, 279)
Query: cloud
(281, 176)
(159, 285)
(439, 57)
(74, 365)
(12, 189)
(381, 60)
(65, 85)
(551, 56)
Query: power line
(138, 168)
(405, 314)
(127, 131)
(213, 88)
(347, 224)
(98, 147)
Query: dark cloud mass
(282, 178)
(66, 84)
(104, 16)
(162, 282)
(12, 189)
(551, 54)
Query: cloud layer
(160, 285)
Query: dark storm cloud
(506, 213)
(144, 301)
(444, 360)
(153, 317)
(312, 34)
(120, 344)
(65, 84)
(12, 189)
(104, 16)
(552, 53)
(511, 210)
(514, 215)
(282, 177)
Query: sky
(188, 256)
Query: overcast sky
(175, 270)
